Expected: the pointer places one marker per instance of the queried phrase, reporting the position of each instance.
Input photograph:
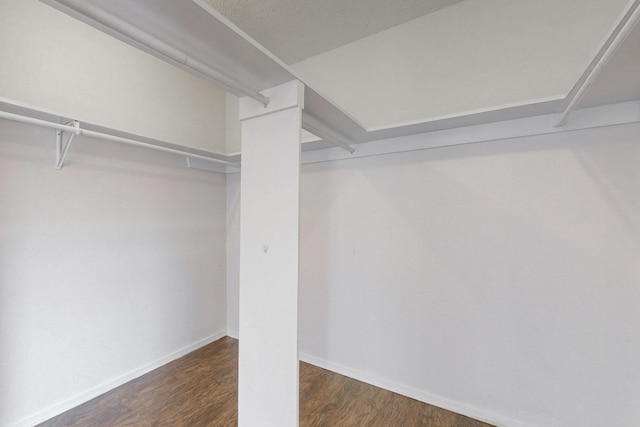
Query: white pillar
(268, 327)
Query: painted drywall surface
(473, 56)
(233, 130)
(54, 62)
(233, 249)
(269, 239)
(107, 266)
(500, 276)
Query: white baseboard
(422, 396)
(232, 334)
(96, 391)
(450, 405)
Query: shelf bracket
(62, 146)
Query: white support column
(268, 359)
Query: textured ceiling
(294, 30)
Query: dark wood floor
(200, 389)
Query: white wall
(497, 279)
(233, 130)
(269, 246)
(108, 268)
(473, 56)
(233, 253)
(53, 62)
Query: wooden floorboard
(200, 389)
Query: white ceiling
(500, 46)
(298, 29)
(474, 56)
(389, 64)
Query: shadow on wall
(315, 273)
(39, 148)
(13, 148)
(501, 273)
(119, 230)
(616, 173)
(4, 321)
(233, 253)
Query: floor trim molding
(422, 396)
(104, 387)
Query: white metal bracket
(62, 147)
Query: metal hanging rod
(74, 129)
(113, 25)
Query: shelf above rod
(104, 136)
(321, 130)
(104, 21)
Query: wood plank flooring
(200, 389)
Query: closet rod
(107, 137)
(111, 24)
